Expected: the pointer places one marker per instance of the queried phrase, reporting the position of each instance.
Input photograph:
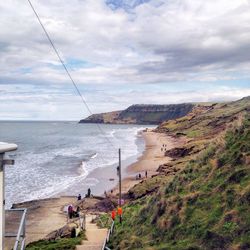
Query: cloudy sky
(121, 52)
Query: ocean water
(56, 158)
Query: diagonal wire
(67, 71)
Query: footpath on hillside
(95, 236)
(46, 218)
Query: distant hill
(142, 114)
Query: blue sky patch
(125, 4)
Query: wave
(124, 138)
(112, 133)
(42, 172)
(93, 156)
(82, 169)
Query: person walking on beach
(146, 174)
(89, 192)
(79, 197)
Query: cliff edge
(142, 114)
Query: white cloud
(163, 39)
(133, 43)
(26, 102)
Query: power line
(66, 70)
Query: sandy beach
(40, 212)
(152, 157)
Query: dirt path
(95, 236)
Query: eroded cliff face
(199, 199)
(142, 114)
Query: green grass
(104, 221)
(194, 133)
(206, 124)
(60, 244)
(205, 206)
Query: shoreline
(148, 159)
(152, 157)
(106, 177)
(41, 210)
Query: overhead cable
(67, 71)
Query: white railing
(20, 235)
(110, 231)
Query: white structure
(4, 148)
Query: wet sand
(47, 215)
(152, 157)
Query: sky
(121, 53)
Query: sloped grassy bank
(59, 244)
(204, 204)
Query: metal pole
(2, 202)
(21, 231)
(120, 183)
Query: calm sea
(58, 157)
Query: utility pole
(120, 183)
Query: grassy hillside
(59, 244)
(201, 199)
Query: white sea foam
(82, 170)
(56, 158)
(94, 156)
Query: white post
(2, 202)
(4, 147)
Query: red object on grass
(113, 214)
(119, 211)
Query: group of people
(79, 197)
(164, 147)
(72, 213)
(139, 176)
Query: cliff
(141, 114)
(200, 199)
